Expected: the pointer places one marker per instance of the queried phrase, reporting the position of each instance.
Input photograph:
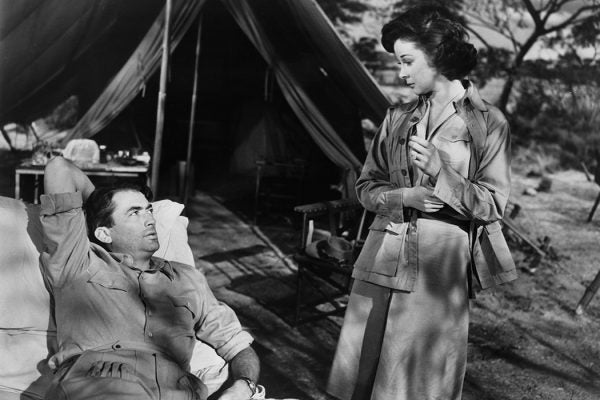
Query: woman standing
(438, 177)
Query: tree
(566, 25)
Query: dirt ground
(525, 341)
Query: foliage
(65, 115)
(493, 62)
(549, 100)
(344, 11)
(565, 26)
(453, 6)
(551, 112)
(366, 49)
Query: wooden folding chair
(329, 279)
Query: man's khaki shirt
(102, 298)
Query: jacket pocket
(383, 249)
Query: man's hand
(425, 156)
(62, 176)
(421, 198)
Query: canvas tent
(268, 70)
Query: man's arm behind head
(62, 176)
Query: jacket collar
(472, 96)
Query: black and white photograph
(299, 199)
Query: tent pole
(188, 160)
(5, 135)
(162, 94)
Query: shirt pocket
(454, 148)
(110, 280)
(183, 307)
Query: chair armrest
(322, 208)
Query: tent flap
(142, 64)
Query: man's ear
(102, 233)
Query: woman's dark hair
(99, 207)
(436, 32)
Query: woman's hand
(425, 156)
(421, 198)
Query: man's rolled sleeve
(220, 328)
(60, 202)
(237, 343)
(65, 236)
(217, 323)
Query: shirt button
(402, 141)
(149, 313)
(403, 172)
(150, 334)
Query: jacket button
(402, 141)
(403, 172)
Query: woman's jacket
(476, 202)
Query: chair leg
(298, 295)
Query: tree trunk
(506, 91)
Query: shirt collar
(471, 97)
(156, 264)
(163, 266)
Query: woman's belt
(463, 224)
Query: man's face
(134, 230)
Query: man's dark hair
(435, 31)
(99, 207)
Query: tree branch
(534, 13)
(478, 36)
(572, 19)
(553, 7)
(548, 6)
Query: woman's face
(414, 67)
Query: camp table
(110, 169)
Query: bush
(548, 112)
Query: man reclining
(126, 321)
